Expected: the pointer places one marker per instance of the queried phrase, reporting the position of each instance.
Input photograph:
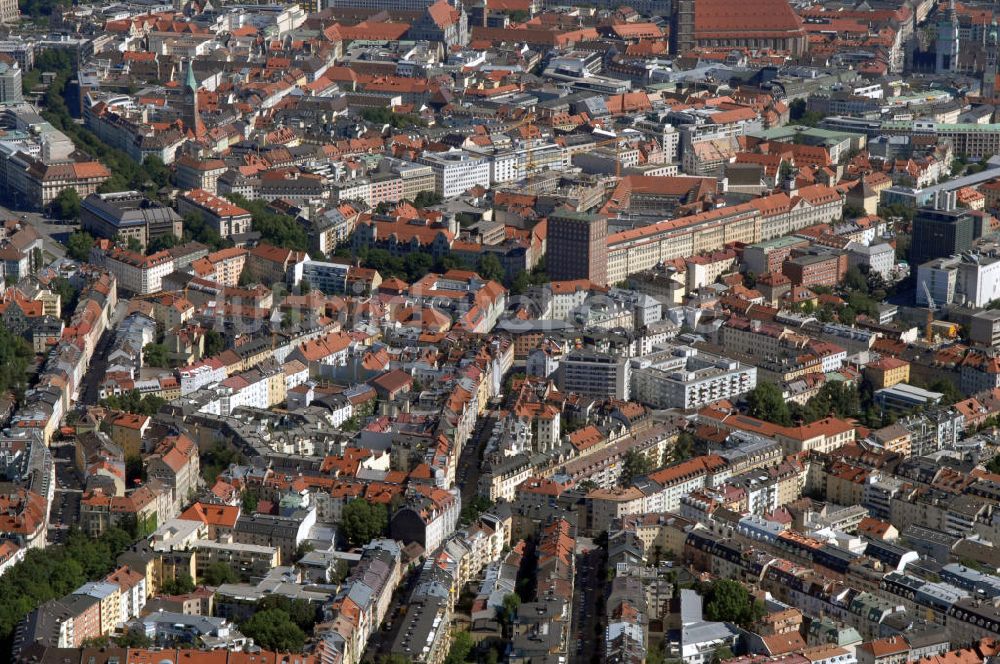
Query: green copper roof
(191, 82)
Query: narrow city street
(469, 464)
(588, 606)
(381, 639)
(64, 512)
(90, 386)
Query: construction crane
(931, 307)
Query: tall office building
(942, 230)
(10, 81)
(577, 247)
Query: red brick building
(816, 269)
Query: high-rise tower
(946, 44)
(578, 247)
(989, 84)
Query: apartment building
(136, 273)
(224, 266)
(222, 216)
(816, 268)
(641, 249)
(785, 213)
(274, 265)
(194, 173)
(457, 171)
(35, 183)
(688, 378)
(596, 374)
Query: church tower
(989, 85)
(193, 123)
(946, 44)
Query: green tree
(156, 355)
(218, 573)
(156, 170)
(182, 584)
(273, 629)
(427, 199)
(796, 109)
(385, 116)
(215, 343)
(362, 521)
(855, 281)
(341, 570)
(461, 648)
(766, 402)
(15, 353)
(508, 610)
(853, 212)
(903, 242)
(133, 639)
(40, 8)
(636, 464)
(475, 507)
(490, 268)
(216, 459)
(417, 264)
(250, 501)
(721, 654)
(300, 611)
(948, 389)
(521, 282)
(280, 230)
(681, 450)
(133, 244)
(134, 402)
(67, 204)
(162, 242)
(392, 659)
(195, 228)
(78, 245)
(729, 601)
(68, 294)
(53, 572)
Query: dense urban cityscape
(500, 332)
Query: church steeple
(193, 122)
(191, 83)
